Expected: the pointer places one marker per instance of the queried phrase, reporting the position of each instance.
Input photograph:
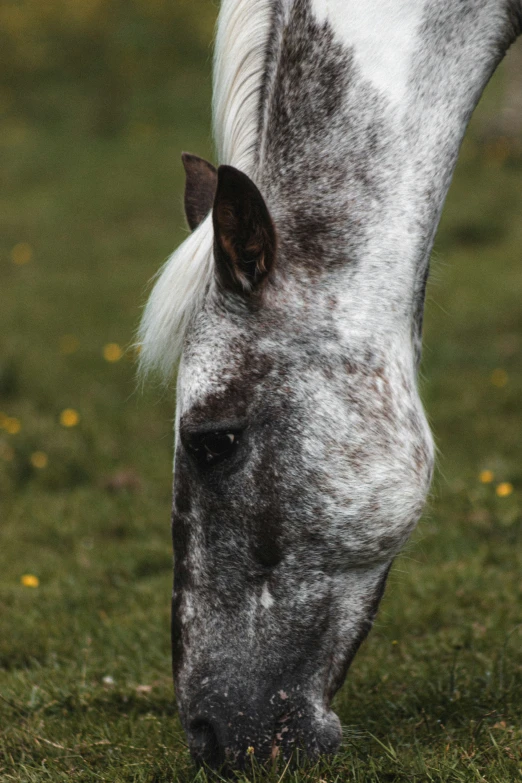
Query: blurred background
(97, 100)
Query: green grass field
(86, 217)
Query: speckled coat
(303, 456)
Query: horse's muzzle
(226, 733)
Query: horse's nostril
(268, 554)
(204, 742)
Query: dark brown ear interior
(244, 234)
(200, 188)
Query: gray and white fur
(303, 456)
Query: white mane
(239, 61)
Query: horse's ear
(244, 235)
(200, 188)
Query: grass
(85, 688)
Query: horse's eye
(218, 443)
(213, 447)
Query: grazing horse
(294, 308)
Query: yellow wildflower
(69, 417)
(21, 253)
(29, 580)
(12, 426)
(499, 378)
(504, 489)
(486, 476)
(112, 352)
(250, 750)
(39, 460)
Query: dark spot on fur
(322, 162)
(182, 581)
(181, 495)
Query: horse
(293, 314)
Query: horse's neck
(365, 106)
